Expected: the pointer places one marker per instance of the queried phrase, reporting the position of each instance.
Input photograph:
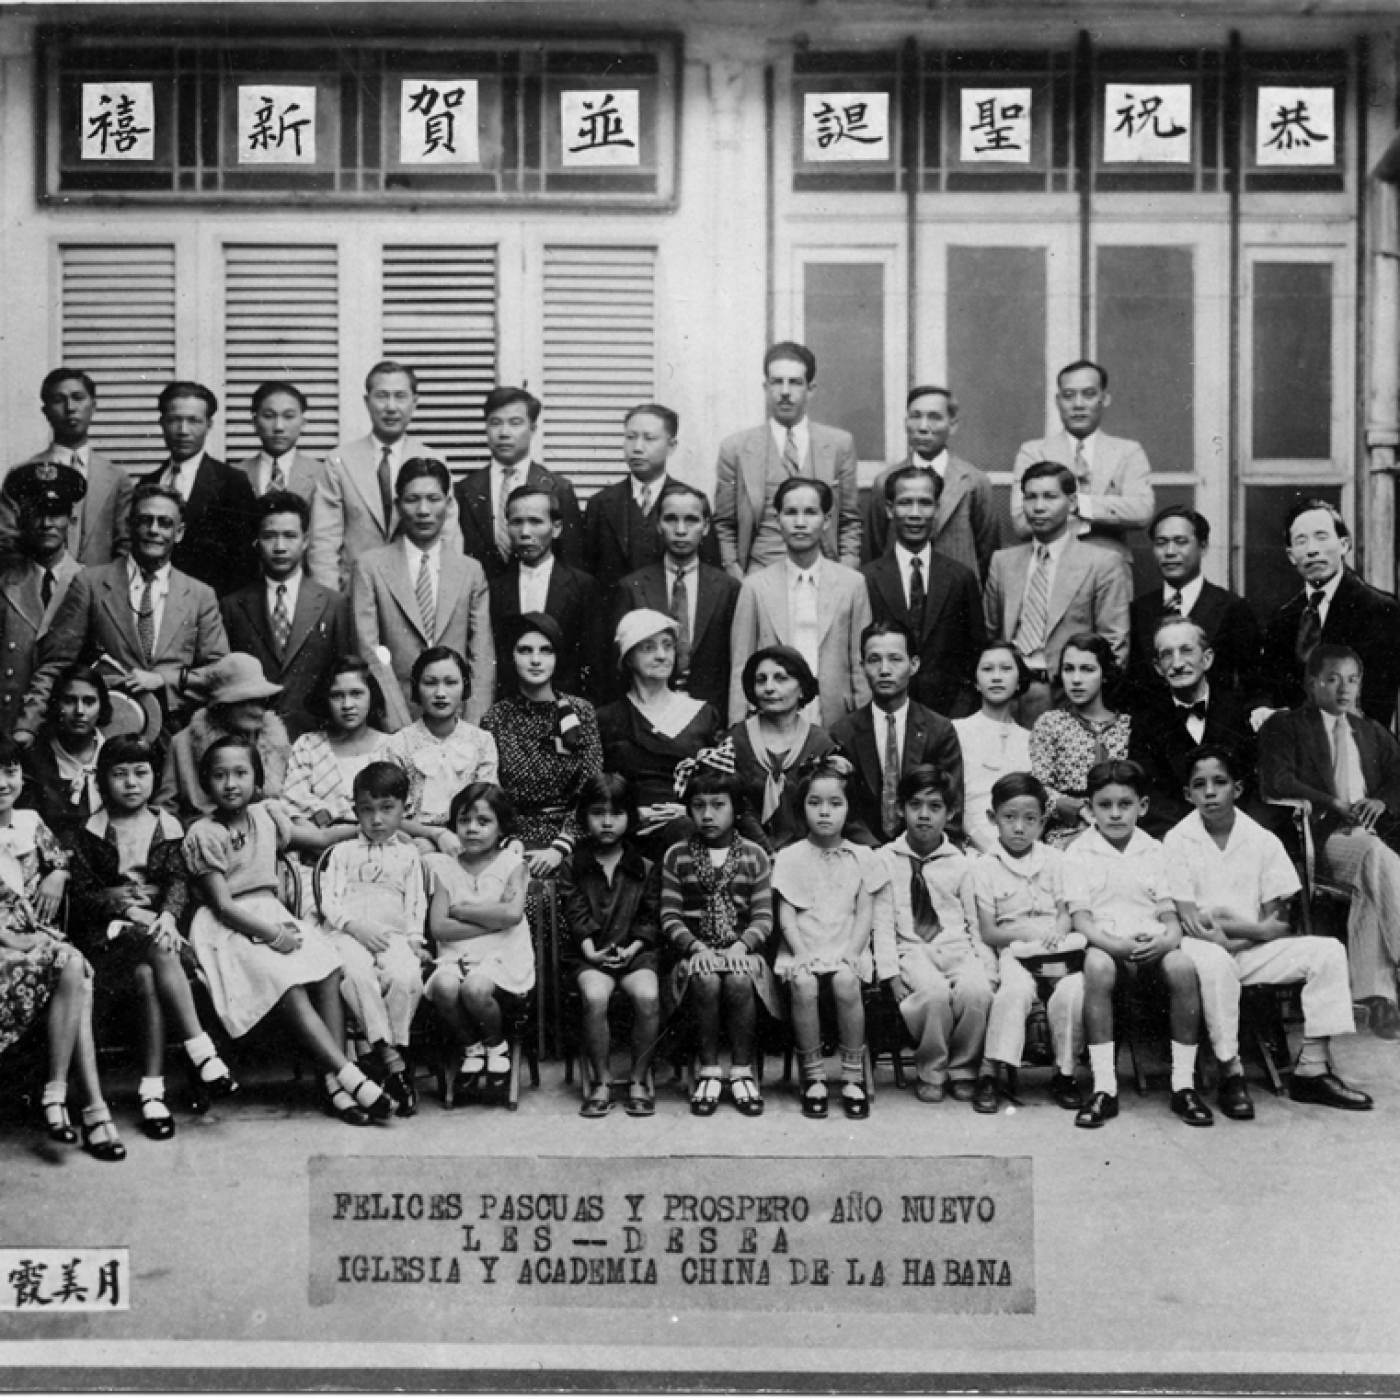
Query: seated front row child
(610, 895)
(717, 917)
(1019, 889)
(1233, 882)
(374, 906)
(826, 889)
(477, 919)
(1119, 898)
(945, 973)
(257, 957)
(127, 898)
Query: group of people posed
(770, 754)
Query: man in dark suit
(706, 596)
(1336, 606)
(1179, 538)
(217, 545)
(937, 599)
(539, 581)
(512, 415)
(891, 735)
(1168, 725)
(294, 626)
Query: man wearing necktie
(33, 581)
(1335, 605)
(217, 544)
(279, 417)
(352, 509)
(754, 463)
(1113, 478)
(1347, 766)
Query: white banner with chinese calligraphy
(276, 125)
(438, 121)
(996, 125)
(1296, 126)
(119, 121)
(1147, 122)
(600, 127)
(845, 126)
(48, 1281)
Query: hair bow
(720, 758)
(832, 762)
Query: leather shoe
(1065, 1092)
(985, 1098)
(1191, 1108)
(1100, 1108)
(1234, 1098)
(929, 1093)
(401, 1090)
(1327, 1090)
(961, 1089)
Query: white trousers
(382, 990)
(1006, 1025)
(1364, 864)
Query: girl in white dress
(992, 742)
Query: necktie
(889, 783)
(1081, 463)
(146, 618)
(680, 610)
(926, 921)
(281, 619)
(792, 460)
(46, 585)
(806, 626)
(1035, 612)
(1174, 603)
(1347, 777)
(278, 480)
(1310, 624)
(423, 590)
(644, 500)
(917, 596)
(508, 484)
(386, 489)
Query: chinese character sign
(600, 127)
(1147, 122)
(65, 1280)
(119, 121)
(996, 125)
(1296, 126)
(438, 121)
(276, 125)
(845, 126)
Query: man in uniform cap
(35, 576)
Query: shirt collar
(924, 556)
(533, 570)
(945, 848)
(1190, 593)
(1032, 863)
(794, 573)
(900, 712)
(1329, 589)
(1139, 842)
(672, 568)
(1056, 547)
(433, 551)
(655, 487)
(134, 574)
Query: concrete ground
(1268, 1249)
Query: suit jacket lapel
(826, 595)
(401, 587)
(955, 485)
(116, 599)
(1017, 572)
(476, 498)
(867, 753)
(451, 589)
(706, 600)
(1072, 568)
(177, 604)
(891, 586)
(915, 739)
(756, 457)
(362, 467)
(254, 608)
(21, 590)
(307, 613)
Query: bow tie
(1195, 710)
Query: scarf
(775, 773)
(719, 928)
(81, 777)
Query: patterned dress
(1064, 748)
(438, 769)
(320, 780)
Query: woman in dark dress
(652, 728)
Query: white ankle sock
(1105, 1072)
(1183, 1066)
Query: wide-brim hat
(237, 677)
(135, 716)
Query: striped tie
(423, 589)
(792, 459)
(1081, 464)
(1035, 612)
(146, 618)
(281, 620)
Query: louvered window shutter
(281, 321)
(118, 324)
(440, 320)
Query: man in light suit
(34, 580)
(352, 511)
(707, 595)
(892, 735)
(1040, 594)
(279, 415)
(807, 602)
(965, 528)
(216, 545)
(98, 533)
(937, 599)
(753, 463)
(512, 416)
(161, 626)
(419, 592)
(295, 628)
(1113, 485)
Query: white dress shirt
(1344, 748)
(262, 471)
(534, 584)
(937, 465)
(181, 477)
(160, 589)
(1195, 724)
(653, 488)
(1190, 594)
(801, 435)
(521, 471)
(1329, 591)
(902, 558)
(293, 587)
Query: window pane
(843, 312)
(1292, 369)
(1269, 579)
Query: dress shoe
(930, 1093)
(1327, 1090)
(1234, 1098)
(1065, 1092)
(962, 1090)
(1100, 1108)
(57, 1124)
(1191, 1108)
(100, 1140)
(985, 1098)
(1385, 1019)
(400, 1089)
(854, 1101)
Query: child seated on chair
(610, 895)
(717, 916)
(1118, 893)
(826, 889)
(477, 918)
(1233, 882)
(1019, 890)
(944, 973)
(373, 905)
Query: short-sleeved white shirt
(1252, 870)
(1124, 890)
